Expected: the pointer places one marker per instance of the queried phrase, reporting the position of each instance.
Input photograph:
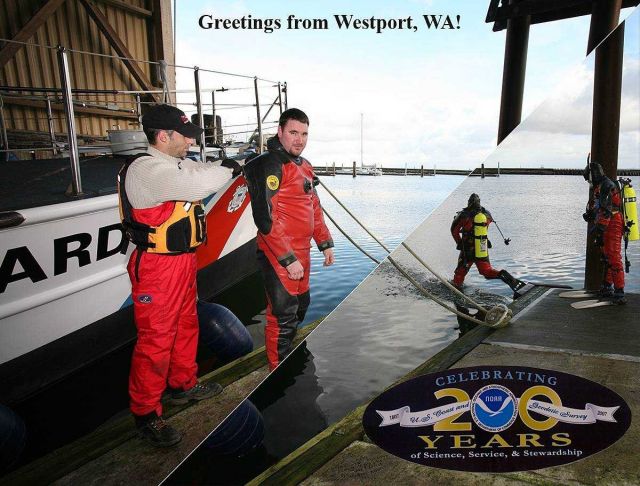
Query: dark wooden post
(513, 74)
(605, 131)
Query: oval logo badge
(496, 419)
(273, 182)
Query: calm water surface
(385, 328)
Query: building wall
(70, 26)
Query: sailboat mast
(361, 138)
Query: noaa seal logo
(493, 408)
(145, 299)
(273, 182)
(496, 419)
(238, 198)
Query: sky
(425, 96)
(558, 132)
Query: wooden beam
(118, 46)
(513, 75)
(542, 11)
(143, 12)
(605, 124)
(26, 32)
(160, 39)
(534, 7)
(9, 100)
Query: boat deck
(29, 183)
(600, 344)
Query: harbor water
(386, 328)
(390, 206)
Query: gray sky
(558, 132)
(428, 96)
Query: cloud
(427, 99)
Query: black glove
(489, 243)
(459, 245)
(598, 236)
(232, 164)
(588, 217)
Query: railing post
(286, 96)
(3, 132)
(280, 97)
(166, 95)
(139, 108)
(214, 123)
(74, 156)
(52, 133)
(196, 75)
(255, 84)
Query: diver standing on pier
(605, 216)
(161, 212)
(287, 212)
(470, 232)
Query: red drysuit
(462, 232)
(609, 220)
(287, 212)
(164, 306)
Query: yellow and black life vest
(181, 232)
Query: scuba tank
(630, 209)
(480, 232)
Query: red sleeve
(456, 228)
(321, 233)
(264, 176)
(277, 239)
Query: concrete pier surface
(600, 344)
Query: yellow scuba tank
(630, 208)
(480, 232)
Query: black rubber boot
(606, 291)
(156, 431)
(510, 280)
(618, 297)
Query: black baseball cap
(167, 117)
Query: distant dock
(477, 172)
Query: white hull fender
(62, 268)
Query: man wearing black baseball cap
(167, 117)
(160, 196)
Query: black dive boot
(510, 280)
(606, 291)
(618, 297)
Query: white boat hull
(63, 269)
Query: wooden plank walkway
(114, 454)
(601, 345)
(610, 330)
(301, 463)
